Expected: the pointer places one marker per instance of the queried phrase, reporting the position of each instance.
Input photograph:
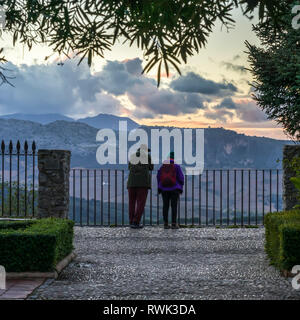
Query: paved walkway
(19, 288)
(153, 263)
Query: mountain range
(100, 121)
(225, 149)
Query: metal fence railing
(18, 176)
(216, 197)
(99, 197)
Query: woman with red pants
(138, 184)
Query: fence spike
(18, 146)
(3, 146)
(33, 147)
(25, 146)
(10, 147)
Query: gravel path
(153, 263)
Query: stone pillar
(289, 190)
(54, 171)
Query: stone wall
(54, 171)
(289, 191)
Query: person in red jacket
(170, 181)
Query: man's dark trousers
(137, 201)
(170, 196)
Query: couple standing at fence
(170, 181)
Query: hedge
(37, 245)
(15, 224)
(283, 238)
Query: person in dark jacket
(138, 184)
(170, 180)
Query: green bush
(295, 166)
(289, 245)
(37, 245)
(283, 238)
(15, 224)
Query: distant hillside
(108, 121)
(228, 149)
(100, 121)
(223, 148)
(39, 118)
(75, 136)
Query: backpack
(168, 175)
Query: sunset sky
(212, 91)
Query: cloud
(115, 77)
(73, 90)
(125, 77)
(192, 82)
(104, 103)
(234, 67)
(221, 115)
(244, 109)
(250, 112)
(226, 103)
(150, 101)
(69, 89)
(134, 66)
(236, 57)
(164, 101)
(142, 113)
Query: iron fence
(216, 197)
(18, 196)
(98, 197)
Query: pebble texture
(153, 263)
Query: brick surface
(19, 288)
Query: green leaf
(82, 12)
(90, 57)
(15, 37)
(159, 74)
(296, 182)
(92, 24)
(175, 66)
(166, 66)
(261, 10)
(150, 65)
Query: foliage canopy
(168, 31)
(275, 67)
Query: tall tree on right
(275, 67)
